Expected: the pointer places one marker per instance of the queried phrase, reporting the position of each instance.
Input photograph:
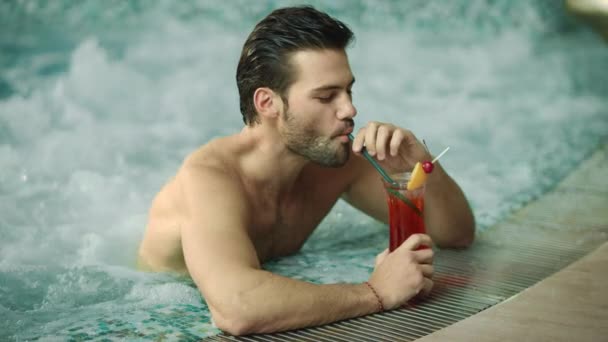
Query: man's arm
(222, 261)
(447, 215)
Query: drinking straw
(378, 168)
(388, 179)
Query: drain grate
(504, 261)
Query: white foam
(111, 129)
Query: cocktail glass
(405, 209)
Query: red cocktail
(405, 209)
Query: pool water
(101, 101)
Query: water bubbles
(168, 293)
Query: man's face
(319, 114)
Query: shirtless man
(241, 200)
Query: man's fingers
(426, 289)
(424, 256)
(381, 138)
(415, 241)
(396, 140)
(427, 270)
(370, 137)
(358, 141)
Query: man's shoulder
(216, 155)
(204, 172)
(209, 185)
(211, 166)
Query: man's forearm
(448, 216)
(276, 303)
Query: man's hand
(396, 148)
(404, 273)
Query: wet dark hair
(265, 56)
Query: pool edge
(570, 304)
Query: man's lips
(343, 136)
(346, 132)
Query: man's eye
(326, 99)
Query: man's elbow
(467, 233)
(236, 326)
(463, 239)
(236, 320)
(458, 243)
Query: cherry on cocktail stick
(428, 166)
(418, 177)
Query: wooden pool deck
(572, 304)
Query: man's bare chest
(284, 230)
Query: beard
(306, 142)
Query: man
(241, 200)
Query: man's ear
(266, 102)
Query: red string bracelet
(380, 305)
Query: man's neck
(270, 162)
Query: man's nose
(347, 109)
